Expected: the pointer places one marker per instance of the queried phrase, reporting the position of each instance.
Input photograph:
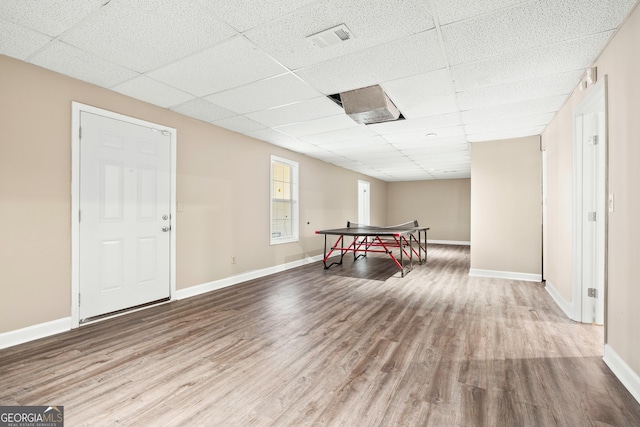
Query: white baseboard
(564, 305)
(625, 374)
(448, 242)
(528, 277)
(234, 280)
(42, 330)
(31, 333)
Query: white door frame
(76, 109)
(364, 202)
(545, 168)
(595, 101)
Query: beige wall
(506, 200)
(620, 62)
(442, 205)
(222, 181)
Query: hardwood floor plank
(355, 345)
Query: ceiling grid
(459, 71)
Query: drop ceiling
(460, 71)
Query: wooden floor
(352, 346)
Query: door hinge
(79, 215)
(80, 132)
(593, 140)
(592, 292)
(592, 216)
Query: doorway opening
(364, 202)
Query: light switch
(180, 207)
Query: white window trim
(295, 220)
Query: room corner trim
(564, 305)
(34, 332)
(625, 374)
(528, 277)
(243, 277)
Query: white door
(364, 209)
(593, 214)
(125, 216)
(590, 206)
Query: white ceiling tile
(541, 87)
(453, 174)
(440, 166)
(246, 14)
(68, 60)
(239, 124)
(400, 169)
(448, 171)
(311, 150)
(506, 111)
(343, 162)
(506, 134)
(227, 65)
(298, 112)
(361, 145)
(528, 25)
(271, 92)
(372, 173)
(449, 11)
(374, 152)
(371, 66)
(438, 149)
(19, 42)
(562, 57)
(332, 158)
(325, 124)
(370, 22)
(202, 110)
(340, 136)
(247, 66)
(509, 124)
(423, 95)
(149, 90)
(145, 34)
(48, 17)
(431, 143)
(417, 176)
(442, 160)
(274, 137)
(411, 137)
(423, 125)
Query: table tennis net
(404, 226)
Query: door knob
(165, 229)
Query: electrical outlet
(233, 260)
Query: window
(284, 200)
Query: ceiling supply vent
(331, 36)
(369, 105)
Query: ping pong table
(406, 238)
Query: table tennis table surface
(353, 229)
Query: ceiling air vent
(369, 105)
(331, 36)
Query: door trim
(590, 103)
(76, 109)
(364, 202)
